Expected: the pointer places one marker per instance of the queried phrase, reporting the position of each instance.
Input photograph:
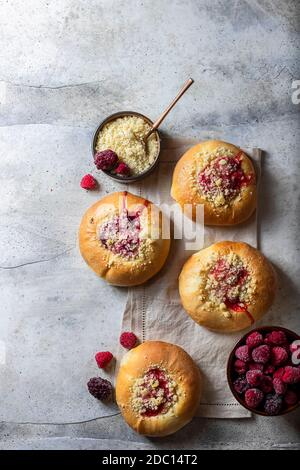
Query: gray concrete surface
(64, 65)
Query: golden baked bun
(219, 176)
(158, 388)
(227, 286)
(119, 243)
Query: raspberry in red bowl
(263, 371)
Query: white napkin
(154, 312)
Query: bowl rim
(112, 117)
(230, 368)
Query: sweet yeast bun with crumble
(158, 388)
(227, 286)
(120, 239)
(221, 177)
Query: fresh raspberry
(279, 373)
(273, 404)
(276, 337)
(266, 384)
(290, 398)
(99, 388)
(256, 366)
(253, 397)
(122, 169)
(240, 366)
(106, 160)
(243, 353)
(278, 356)
(279, 386)
(291, 375)
(103, 358)
(240, 385)
(88, 182)
(254, 377)
(261, 354)
(269, 370)
(128, 340)
(254, 339)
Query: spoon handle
(157, 123)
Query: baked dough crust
(213, 316)
(176, 362)
(186, 189)
(115, 268)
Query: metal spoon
(157, 123)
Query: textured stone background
(66, 64)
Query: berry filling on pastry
(222, 179)
(154, 393)
(121, 234)
(229, 284)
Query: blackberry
(99, 388)
(273, 404)
(241, 385)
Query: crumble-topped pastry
(227, 286)
(158, 388)
(121, 241)
(219, 176)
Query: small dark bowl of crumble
(118, 148)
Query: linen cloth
(153, 311)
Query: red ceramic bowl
(232, 375)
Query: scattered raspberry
(256, 366)
(122, 169)
(261, 354)
(243, 353)
(240, 385)
(99, 388)
(291, 375)
(103, 358)
(106, 160)
(269, 370)
(254, 377)
(128, 340)
(290, 398)
(279, 386)
(279, 373)
(254, 339)
(273, 404)
(253, 397)
(266, 384)
(88, 182)
(276, 337)
(240, 366)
